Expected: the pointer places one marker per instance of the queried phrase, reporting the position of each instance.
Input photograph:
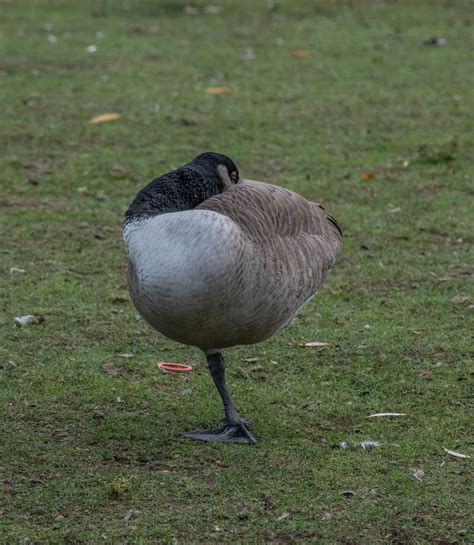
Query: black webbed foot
(230, 433)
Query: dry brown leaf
(456, 454)
(299, 53)
(283, 516)
(220, 90)
(104, 118)
(316, 344)
(424, 373)
(367, 175)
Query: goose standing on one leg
(217, 261)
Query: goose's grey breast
(189, 275)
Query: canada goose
(217, 261)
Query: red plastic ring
(174, 367)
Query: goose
(216, 260)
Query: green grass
(370, 96)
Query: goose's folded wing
(299, 240)
(264, 211)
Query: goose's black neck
(184, 188)
(179, 190)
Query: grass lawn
(341, 101)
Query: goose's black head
(216, 166)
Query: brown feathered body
(233, 270)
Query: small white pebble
(101, 196)
(28, 319)
(417, 473)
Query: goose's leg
(235, 429)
